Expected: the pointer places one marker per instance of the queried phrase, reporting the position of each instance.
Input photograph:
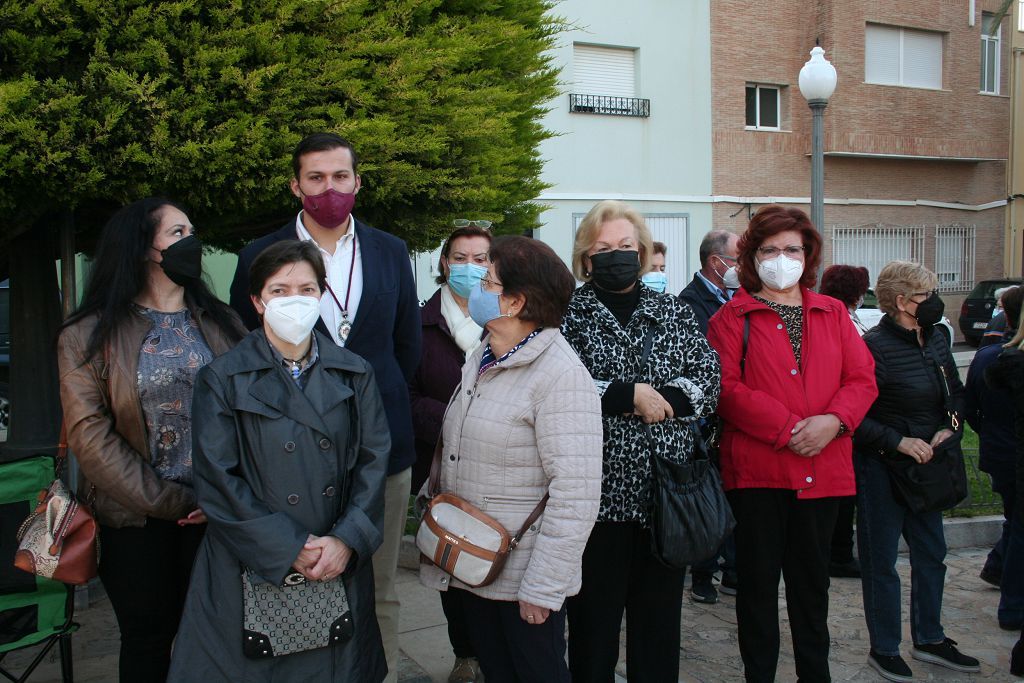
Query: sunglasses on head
(465, 223)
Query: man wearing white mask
(710, 288)
(370, 308)
(716, 280)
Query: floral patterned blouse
(172, 353)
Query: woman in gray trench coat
(290, 452)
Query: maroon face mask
(329, 208)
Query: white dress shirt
(337, 266)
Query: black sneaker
(890, 668)
(990, 577)
(945, 654)
(729, 584)
(703, 590)
(1017, 659)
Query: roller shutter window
(902, 56)
(604, 71)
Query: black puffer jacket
(1007, 374)
(911, 398)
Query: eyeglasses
(934, 291)
(465, 223)
(730, 259)
(771, 252)
(488, 282)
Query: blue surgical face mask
(656, 280)
(484, 306)
(462, 277)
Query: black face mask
(183, 260)
(930, 310)
(616, 270)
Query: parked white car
(870, 314)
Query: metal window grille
(874, 245)
(606, 104)
(954, 257)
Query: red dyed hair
(846, 283)
(770, 221)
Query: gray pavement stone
(708, 653)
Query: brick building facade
(914, 151)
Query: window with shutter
(604, 71)
(902, 56)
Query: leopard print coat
(680, 357)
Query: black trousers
(778, 533)
(620, 573)
(842, 535)
(511, 650)
(145, 571)
(458, 630)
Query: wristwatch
(843, 429)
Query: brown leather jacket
(108, 434)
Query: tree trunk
(35, 317)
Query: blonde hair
(601, 213)
(904, 278)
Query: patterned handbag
(296, 616)
(60, 540)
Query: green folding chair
(33, 611)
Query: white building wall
(661, 164)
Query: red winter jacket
(760, 407)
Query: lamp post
(817, 83)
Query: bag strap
(746, 338)
(954, 416)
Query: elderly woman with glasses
(919, 397)
(796, 379)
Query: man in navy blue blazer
(370, 307)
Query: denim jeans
(881, 520)
(1004, 483)
(1011, 600)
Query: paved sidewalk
(709, 652)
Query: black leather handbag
(689, 514)
(940, 483)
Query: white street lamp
(817, 83)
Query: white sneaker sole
(888, 675)
(923, 656)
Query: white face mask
(731, 279)
(780, 273)
(292, 317)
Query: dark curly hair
(770, 221)
(846, 283)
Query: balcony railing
(612, 106)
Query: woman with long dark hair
(128, 358)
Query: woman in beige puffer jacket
(525, 421)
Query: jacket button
(329, 491)
(779, 326)
(289, 446)
(469, 392)
(809, 479)
(293, 499)
(325, 443)
(451, 457)
(793, 371)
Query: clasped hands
(811, 434)
(921, 450)
(650, 405)
(322, 558)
